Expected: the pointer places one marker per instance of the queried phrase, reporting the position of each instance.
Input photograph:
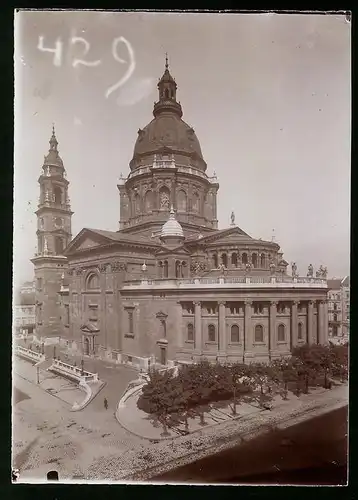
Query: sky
(269, 97)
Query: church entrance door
(86, 346)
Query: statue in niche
(164, 200)
(248, 267)
(294, 270)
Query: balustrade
(80, 374)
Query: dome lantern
(171, 229)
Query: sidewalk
(143, 425)
(167, 455)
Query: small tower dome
(172, 228)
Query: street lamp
(82, 363)
(38, 374)
(54, 352)
(43, 348)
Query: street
(313, 452)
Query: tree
(158, 397)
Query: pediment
(230, 235)
(172, 251)
(233, 238)
(85, 240)
(87, 243)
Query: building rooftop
(334, 284)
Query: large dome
(170, 131)
(167, 130)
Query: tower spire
(53, 140)
(167, 93)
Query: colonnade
(232, 259)
(311, 336)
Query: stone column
(222, 329)
(180, 333)
(294, 323)
(321, 320)
(197, 328)
(248, 354)
(272, 330)
(325, 322)
(310, 322)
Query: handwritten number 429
(57, 57)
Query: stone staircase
(44, 365)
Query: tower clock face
(58, 222)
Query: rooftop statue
(310, 271)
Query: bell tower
(53, 235)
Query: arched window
(259, 333)
(244, 258)
(254, 259)
(57, 194)
(59, 245)
(166, 93)
(164, 198)
(137, 204)
(211, 333)
(196, 202)
(335, 331)
(234, 259)
(148, 201)
(130, 322)
(281, 333)
(181, 201)
(92, 282)
(263, 261)
(224, 259)
(183, 264)
(234, 333)
(335, 317)
(166, 270)
(190, 332)
(215, 261)
(177, 269)
(335, 306)
(300, 331)
(40, 244)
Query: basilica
(169, 286)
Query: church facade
(169, 286)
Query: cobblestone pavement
(92, 445)
(46, 435)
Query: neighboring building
(346, 300)
(338, 307)
(169, 285)
(24, 309)
(24, 319)
(334, 308)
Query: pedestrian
(105, 402)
